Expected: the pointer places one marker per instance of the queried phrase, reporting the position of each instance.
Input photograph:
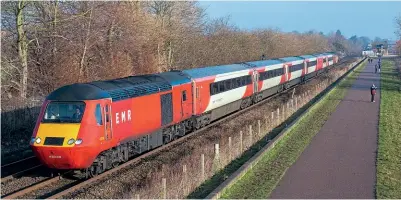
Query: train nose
(62, 158)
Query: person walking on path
(373, 92)
(375, 68)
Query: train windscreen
(64, 112)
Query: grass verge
(265, 175)
(388, 185)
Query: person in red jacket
(373, 92)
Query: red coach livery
(95, 126)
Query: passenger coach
(95, 126)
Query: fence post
(272, 119)
(164, 186)
(216, 157)
(250, 136)
(241, 142)
(293, 92)
(278, 116)
(184, 172)
(283, 115)
(259, 134)
(203, 167)
(288, 108)
(292, 104)
(230, 148)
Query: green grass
(265, 175)
(388, 184)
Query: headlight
(33, 140)
(38, 140)
(70, 141)
(79, 141)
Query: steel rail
(4, 179)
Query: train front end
(67, 134)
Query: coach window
(234, 83)
(238, 80)
(227, 84)
(98, 115)
(184, 95)
(270, 74)
(214, 88)
(221, 86)
(243, 81)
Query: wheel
(115, 164)
(244, 104)
(166, 139)
(198, 125)
(91, 172)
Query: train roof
(117, 89)
(134, 86)
(290, 59)
(261, 63)
(328, 54)
(175, 77)
(77, 92)
(307, 56)
(214, 70)
(321, 54)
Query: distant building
(368, 53)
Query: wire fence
(17, 124)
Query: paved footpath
(340, 161)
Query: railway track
(18, 168)
(62, 187)
(43, 187)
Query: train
(92, 127)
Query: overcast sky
(359, 18)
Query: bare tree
(398, 26)
(63, 42)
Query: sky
(359, 18)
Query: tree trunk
(82, 65)
(110, 34)
(170, 54)
(54, 30)
(22, 48)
